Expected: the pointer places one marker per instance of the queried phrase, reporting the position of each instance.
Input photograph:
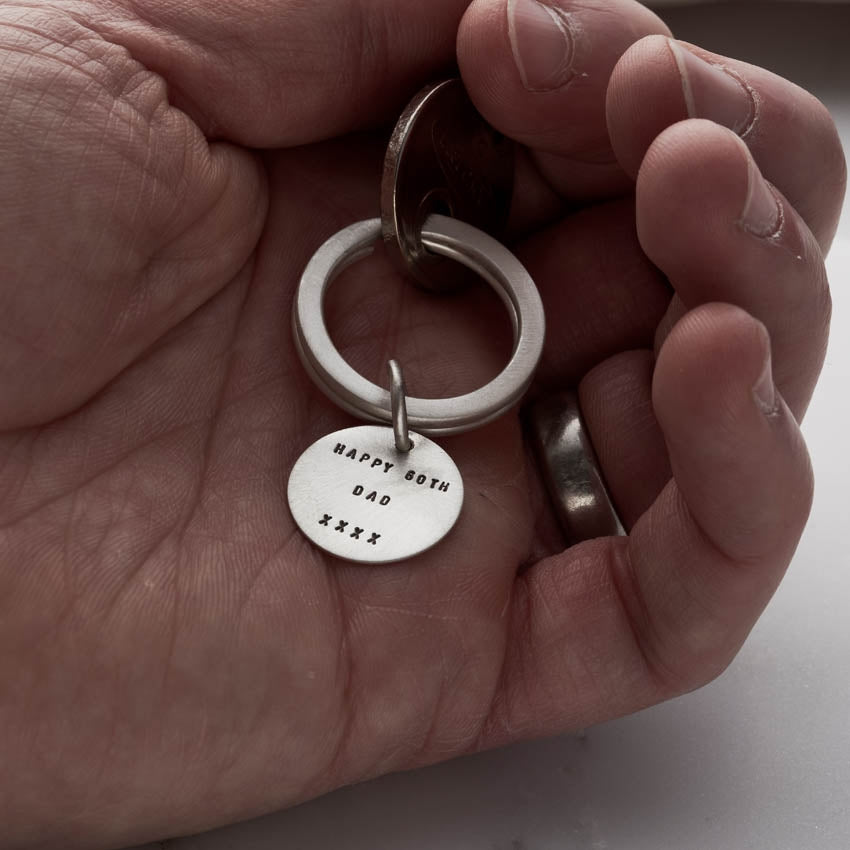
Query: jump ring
(398, 393)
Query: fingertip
(645, 74)
(688, 156)
(700, 181)
(707, 369)
(679, 84)
(735, 448)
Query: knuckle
(680, 650)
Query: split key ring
(452, 239)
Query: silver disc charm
(357, 497)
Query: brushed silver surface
(443, 157)
(360, 499)
(359, 396)
(570, 469)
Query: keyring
(359, 396)
(375, 494)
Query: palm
(157, 552)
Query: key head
(443, 157)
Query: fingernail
(542, 44)
(764, 390)
(762, 215)
(714, 93)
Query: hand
(173, 653)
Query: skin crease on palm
(173, 654)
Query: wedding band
(359, 396)
(570, 469)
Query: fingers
(613, 625)
(692, 191)
(719, 232)
(790, 133)
(539, 72)
(275, 73)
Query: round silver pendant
(360, 499)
